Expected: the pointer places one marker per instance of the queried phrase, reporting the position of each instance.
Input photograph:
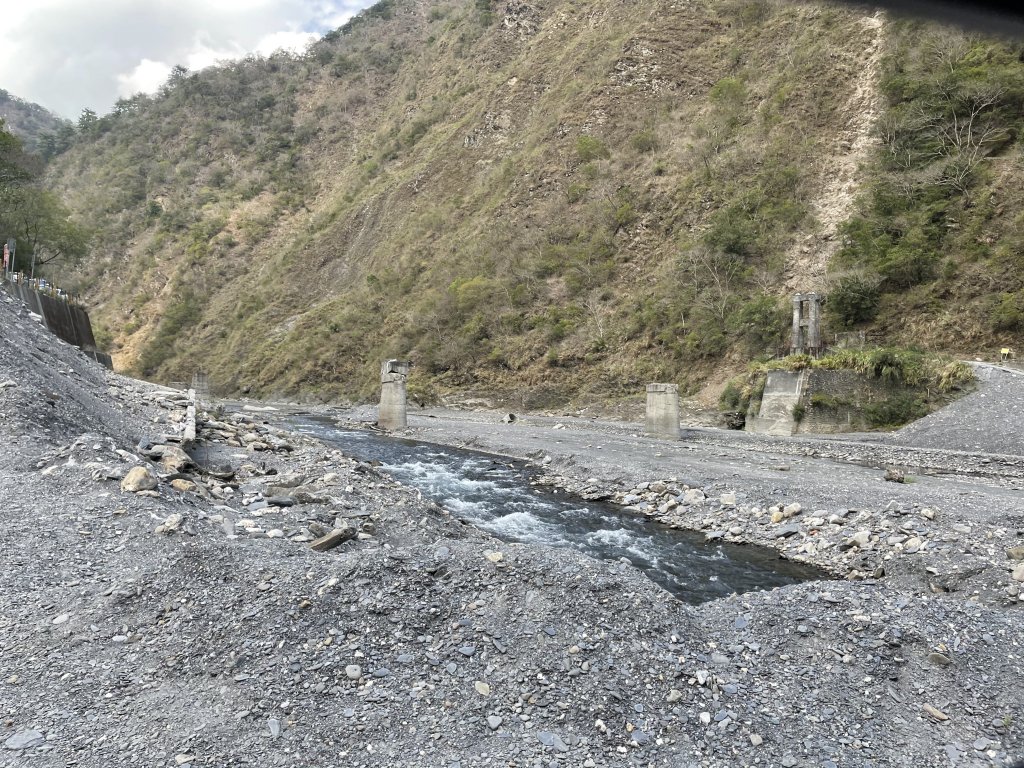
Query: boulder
(174, 459)
(25, 740)
(333, 539)
(139, 479)
(170, 524)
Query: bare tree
(713, 276)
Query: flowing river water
(497, 494)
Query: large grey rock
(333, 539)
(170, 524)
(289, 480)
(25, 740)
(693, 496)
(174, 459)
(787, 530)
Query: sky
(68, 55)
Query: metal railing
(41, 285)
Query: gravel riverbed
(264, 600)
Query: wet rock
(788, 530)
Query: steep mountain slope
(28, 121)
(541, 200)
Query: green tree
(87, 122)
(13, 166)
(42, 226)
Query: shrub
(799, 411)
(483, 7)
(853, 300)
(589, 148)
(896, 410)
(907, 265)
(760, 322)
(576, 192)
(828, 402)
(645, 141)
(1008, 314)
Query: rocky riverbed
(266, 600)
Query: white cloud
(71, 54)
(286, 40)
(147, 76)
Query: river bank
(192, 623)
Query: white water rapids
(496, 495)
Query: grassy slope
(570, 202)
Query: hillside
(555, 201)
(28, 121)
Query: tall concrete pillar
(797, 344)
(391, 413)
(201, 385)
(662, 411)
(806, 324)
(814, 322)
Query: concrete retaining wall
(66, 321)
(782, 392)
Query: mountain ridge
(544, 202)
(28, 121)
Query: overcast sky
(72, 54)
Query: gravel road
(204, 621)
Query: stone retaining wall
(834, 401)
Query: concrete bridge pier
(662, 411)
(391, 413)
